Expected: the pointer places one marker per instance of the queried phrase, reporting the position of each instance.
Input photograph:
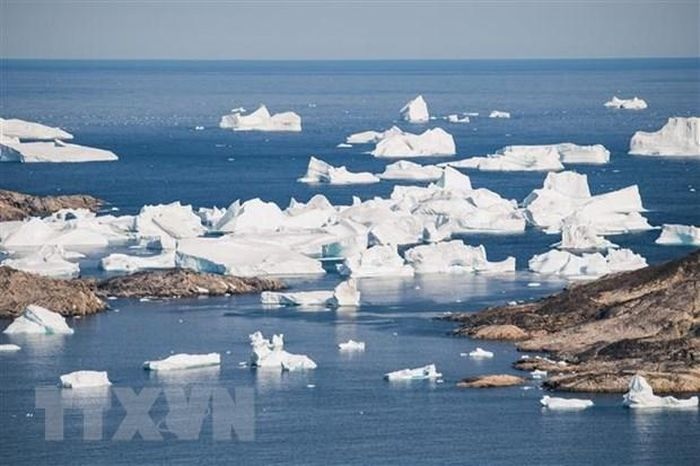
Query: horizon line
(680, 57)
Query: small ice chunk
(420, 373)
(480, 354)
(183, 361)
(9, 348)
(641, 395)
(635, 103)
(261, 120)
(319, 171)
(271, 354)
(38, 320)
(85, 379)
(499, 114)
(538, 374)
(352, 345)
(456, 118)
(565, 403)
(682, 235)
(416, 111)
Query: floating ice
(130, 264)
(57, 151)
(499, 114)
(577, 236)
(454, 257)
(319, 171)
(538, 374)
(432, 142)
(167, 223)
(634, 103)
(685, 235)
(405, 170)
(345, 294)
(641, 395)
(377, 261)
(271, 354)
(480, 354)
(85, 379)
(352, 345)
(515, 158)
(9, 348)
(420, 373)
(183, 361)
(586, 265)
(38, 320)
(565, 403)
(416, 111)
(679, 136)
(261, 120)
(456, 118)
(372, 137)
(27, 130)
(48, 261)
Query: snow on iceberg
(499, 114)
(685, 235)
(271, 354)
(319, 171)
(679, 136)
(564, 263)
(405, 170)
(85, 379)
(480, 353)
(641, 395)
(183, 361)
(261, 120)
(28, 130)
(345, 294)
(432, 142)
(377, 261)
(634, 103)
(352, 345)
(38, 320)
(565, 403)
(416, 111)
(164, 224)
(130, 264)
(454, 257)
(420, 373)
(48, 261)
(515, 158)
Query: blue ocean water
(146, 113)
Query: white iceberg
(254, 215)
(352, 345)
(432, 142)
(456, 118)
(565, 403)
(271, 354)
(345, 294)
(480, 353)
(515, 158)
(28, 130)
(538, 374)
(679, 136)
(564, 263)
(164, 224)
(685, 235)
(85, 379)
(377, 261)
(405, 170)
(127, 263)
(38, 320)
(372, 137)
(635, 103)
(641, 395)
(416, 111)
(12, 150)
(577, 236)
(261, 120)
(420, 373)
(319, 171)
(48, 261)
(595, 154)
(183, 361)
(499, 114)
(454, 257)
(9, 348)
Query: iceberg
(48, 261)
(564, 263)
(261, 120)
(372, 137)
(12, 150)
(254, 215)
(164, 224)
(416, 111)
(420, 373)
(183, 361)
(595, 154)
(405, 170)
(679, 136)
(319, 171)
(130, 264)
(634, 103)
(454, 257)
(38, 320)
(85, 379)
(480, 354)
(28, 130)
(377, 261)
(352, 345)
(432, 142)
(641, 395)
(345, 294)
(684, 235)
(271, 354)
(565, 403)
(9, 348)
(456, 118)
(515, 158)
(577, 236)
(499, 114)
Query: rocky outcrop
(491, 381)
(499, 332)
(18, 206)
(645, 321)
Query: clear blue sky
(349, 29)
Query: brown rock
(491, 381)
(499, 332)
(18, 206)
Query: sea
(343, 412)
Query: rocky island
(599, 334)
(18, 206)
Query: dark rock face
(18, 206)
(645, 321)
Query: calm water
(146, 113)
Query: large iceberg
(377, 261)
(319, 171)
(635, 103)
(454, 257)
(684, 235)
(27, 130)
(405, 170)
(164, 224)
(416, 111)
(565, 403)
(261, 120)
(345, 294)
(564, 263)
(85, 379)
(641, 395)
(38, 320)
(183, 361)
(271, 354)
(127, 263)
(432, 142)
(515, 158)
(420, 373)
(679, 136)
(49, 261)
(57, 151)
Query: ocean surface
(343, 412)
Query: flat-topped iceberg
(11, 150)
(565, 403)
(271, 354)
(635, 103)
(345, 294)
(38, 320)
(183, 361)
(499, 114)
(454, 257)
(416, 111)
(564, 263)
(595, 154)
(85, 379)
(261, 120)
(515, 158)
(48, 261)
(28, 130)
(480, 353)
(164, 224)
(319, 171)
(9, 348)
(127, 263)
(432, 142)
(641, 395)
(405, 170)
(457, 118)
(420, 373)
(377, 261)
(352, 345)
(682, 235)
(679, 136)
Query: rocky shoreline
(19, 206)
(598, 334)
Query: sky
(349, 29)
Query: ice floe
(163, 224)
(499, 114)
(679, 136)
(410, 171)
(641, 395)
(261, 120)
(635, 103)
(28, 130)
(432, 142)
(85, 379)
(129, 263)
(454, 257)
(420, 373)
(271, 354)
(319, 171)
(682, 235)
(345, 294)
(38, 320)
(9, 348)
(377, 261)
(480, 353)
(564, 263)
(565, 403)
(352, 345)
(416, 111)
(183, 361)
(57, 151)
(48, 261)
(457, 118)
